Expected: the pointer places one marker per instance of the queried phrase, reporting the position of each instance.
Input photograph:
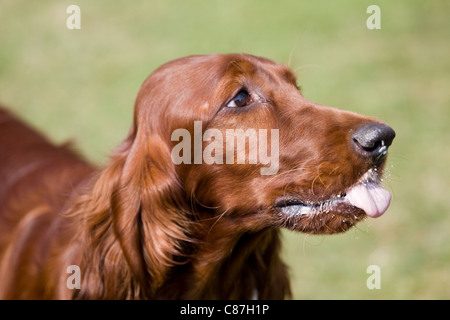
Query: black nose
(372, 140)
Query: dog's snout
(373, 140)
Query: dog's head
(241, 142)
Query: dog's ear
(147, 209)
(133, 221)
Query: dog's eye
(242, 99)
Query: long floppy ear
(133, 222)
(148, 211)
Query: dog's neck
(231, 265)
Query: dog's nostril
(368, 145)
(373, 140)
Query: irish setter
(182, 211)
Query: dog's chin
(332, 216)
(338, 213)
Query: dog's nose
(372, 140)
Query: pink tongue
(371, 198)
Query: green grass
(81, 85)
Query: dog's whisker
(216, 221)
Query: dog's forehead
(249, 65)
(208, 67)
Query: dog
(223, 151)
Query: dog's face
(245, 143)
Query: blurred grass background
(81, 85)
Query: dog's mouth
(339, 212)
